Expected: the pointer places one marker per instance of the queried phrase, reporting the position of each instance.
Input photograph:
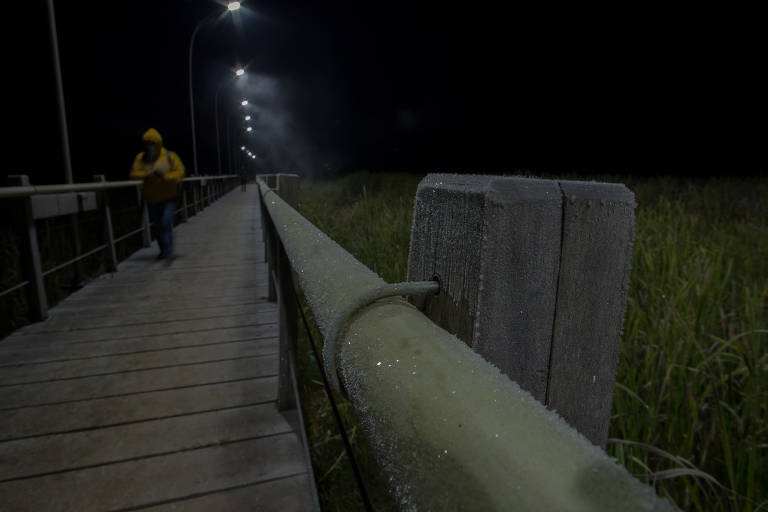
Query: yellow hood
(152, 135)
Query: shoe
(162, 256)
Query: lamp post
(240, 72)
(231, 6)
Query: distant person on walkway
(243, 181)
(161, 171)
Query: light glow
(233, 6)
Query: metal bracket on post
(109, 234)
(33, 270)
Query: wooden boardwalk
(154, 388)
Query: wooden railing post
(286, 294)
(271, 249)
(184, 205)
(146, 232)
(288, 186)
(534, 277)
(109, 234)
(264, 220)
(30, 257)
(195, 186)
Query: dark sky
(422, 87)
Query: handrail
(30, 190)
(448, 429)
(204, 190)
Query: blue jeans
(162, 215)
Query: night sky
(394, 86)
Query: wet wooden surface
(154, 387)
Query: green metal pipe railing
(448, 429)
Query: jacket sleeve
(176, 173)
(138, 172)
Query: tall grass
(691, 399)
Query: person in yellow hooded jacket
(161, 170)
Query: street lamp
(240, 72)
(232, 6)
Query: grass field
(691, 399)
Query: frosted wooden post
(288, 186)
(30, 252)
(109, 234)
(534, 276)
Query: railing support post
(109, 234)
(184, 205)
(195, 186)
(288, 188)
(33, 269)
(146, 233)
(286, 295)
(534, 277)
(272, 242)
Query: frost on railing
(448, 429)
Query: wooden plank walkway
(154, 388)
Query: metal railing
(46, 201)
(446, 427)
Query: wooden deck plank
(281, 495)
(158, 479)
(103, 412)
(74, 323)
(52, 454)
(141, 330)
(53, 351)
(105, 365)
(142, 381)
(114, 307)
(155, 386)
(111, 309)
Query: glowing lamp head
(240, 72)
(233, 6)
